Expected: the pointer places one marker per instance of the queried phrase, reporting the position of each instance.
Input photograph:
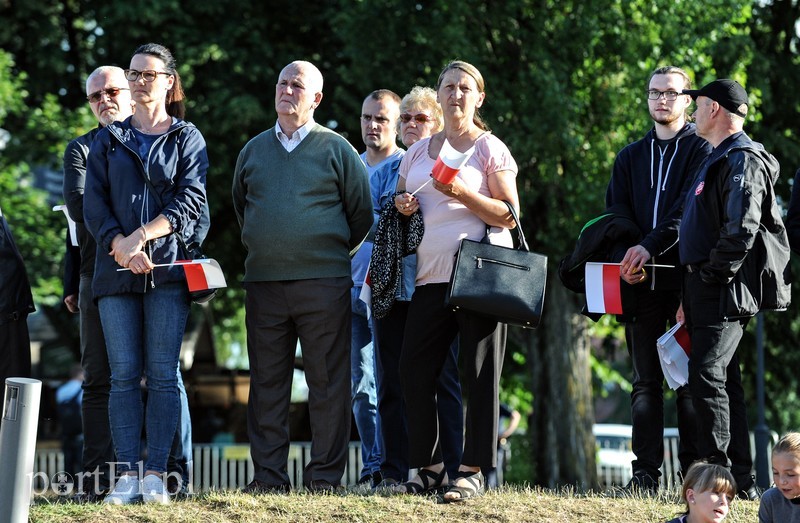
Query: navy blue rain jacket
(117, 201)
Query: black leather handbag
(500, 282)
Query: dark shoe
(386, 486)
(431, 481)
(641, 484)
(320, 486)
(377, 478)
(471, 487)
(748, 490)
(363, 486)
(259, 487)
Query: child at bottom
(707, 491)
(781, 503)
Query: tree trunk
(563, 445)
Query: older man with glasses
(110, 100)
(649, 181)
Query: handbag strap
(523, 243)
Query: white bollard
(18, 447)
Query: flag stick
(646, 264)
(177, 262)
(421, 186)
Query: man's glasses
(111, 92)
(419, 118)
(149, 76)
(669, 96)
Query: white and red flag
(366, 293)
(603, 289)
(203, 274)
(449, 163)
(674, 348)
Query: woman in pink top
(452, 212)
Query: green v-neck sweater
(301, 212)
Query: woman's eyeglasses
(111, 92)
(419, 118)
(133, 75)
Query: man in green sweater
(301, 195)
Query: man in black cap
(734, 246)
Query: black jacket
(74, 181)
(117, 201)
(16, 300)
(604, 238)
(652, 185)
(75, 159)
(734, 204)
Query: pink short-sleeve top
(447, 221)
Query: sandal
(430, 481)
(473, 488)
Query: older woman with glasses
(464, 208)
(420, 116)
(145, 191)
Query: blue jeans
(364, 389)
(143, 337)
(180, 455)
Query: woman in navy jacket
(144, 309)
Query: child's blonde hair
(788, 444)
(703, 476)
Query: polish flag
(674, 348)
(449, 163)
(603, 290)
(203, 274)
(366, 293)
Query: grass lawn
(509, 504)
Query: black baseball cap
(728, 93)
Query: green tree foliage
(565, 85)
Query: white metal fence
(619, 474)
(229, 467)
(215, 467)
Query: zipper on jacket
(479, 263)
(146, 169)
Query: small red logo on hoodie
(699, 188)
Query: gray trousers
(317, 312)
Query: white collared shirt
(290, 143)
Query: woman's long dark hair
(175, 96)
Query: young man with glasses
(649, 180)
